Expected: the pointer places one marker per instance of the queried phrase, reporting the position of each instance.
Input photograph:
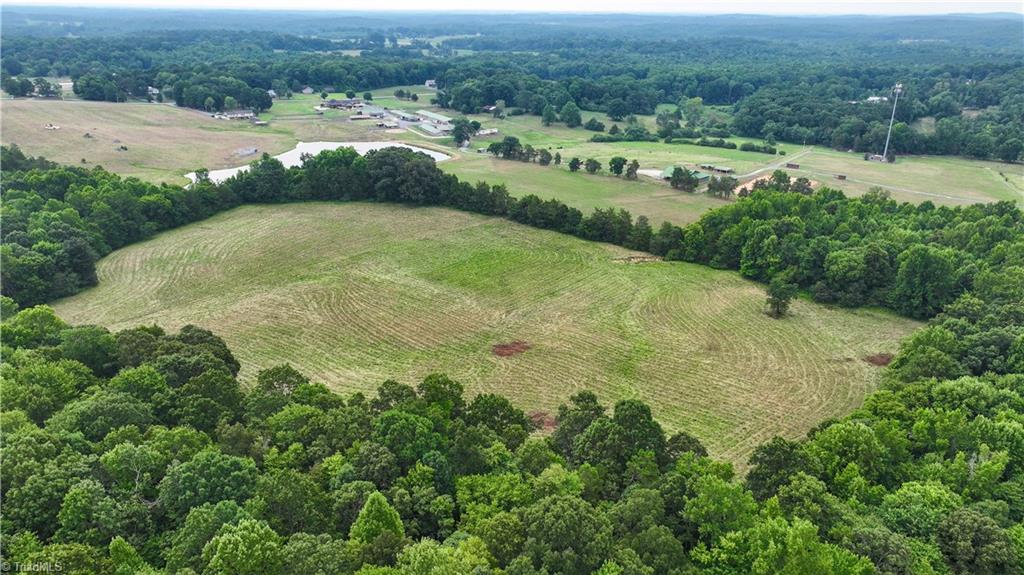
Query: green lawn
(584, 191)
(352, 294)
(940, 179)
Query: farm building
(307, 90)
(717, 169)
(486, 131)
(372, 111)
(344, 104)
(792, 166)
(237, 115)
(152, 91)
(405, 116)
(436, 129)
(430, 83)
(272, 94)
(433, 118)
(387, 124)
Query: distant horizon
(789, 8)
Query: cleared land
(644, 197)
(939, 179)
(165, 142)
(352, 294)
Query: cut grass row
(352, 294)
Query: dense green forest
(777, 81)
(140, 452)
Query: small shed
(793, 166)
(238, 114)
(840, 176)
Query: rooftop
(433, 116)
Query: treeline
(140, 452)
(850, 251)
(957, 101)
(859, 251)
(203, 69)
(974, 110)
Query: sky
(806, 7)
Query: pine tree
(376, 517)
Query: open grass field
(939, 179)
(164, 142)
(353, 294)
(644, 197)
(575, 142)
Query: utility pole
(896, 90)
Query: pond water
(293, 157)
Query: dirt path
(776, 165)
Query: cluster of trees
(406, 95)
(202, 69)
(24, 86)
(511, 149)
(860, 251)
(975, 108)
(967, 114)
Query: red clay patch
(543, 420)
(507, 349)
(879, 359)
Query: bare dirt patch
(511, 348)
(879, 359)
(543, 420)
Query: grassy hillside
(356, 293)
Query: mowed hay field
(164, 142)
(644, 197)
(941, 180)
(353, 294)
